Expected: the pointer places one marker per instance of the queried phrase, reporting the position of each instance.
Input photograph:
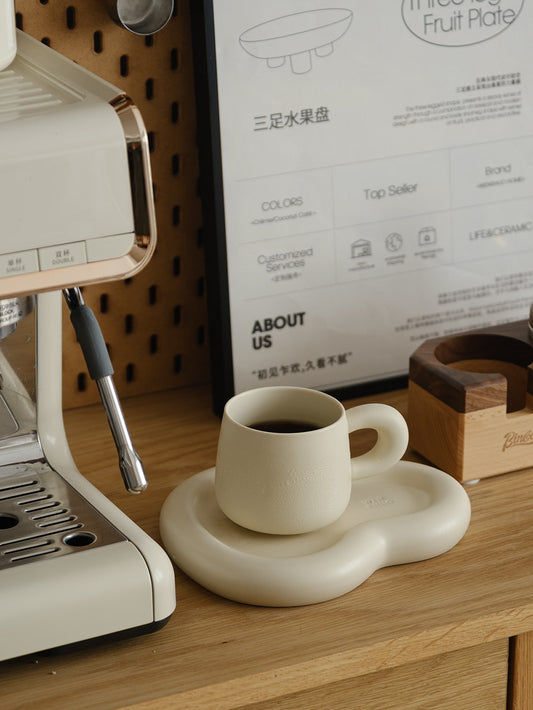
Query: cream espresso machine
(76, 207)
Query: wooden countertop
(215, 653)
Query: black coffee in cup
(284, 426)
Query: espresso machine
(76, 207)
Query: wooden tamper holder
(470, 401)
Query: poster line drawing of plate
(297, 37)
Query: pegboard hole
(153, 344)
(130, 372)
(149, 41)
(176, 215)
(177, 364)
(174, 112)
(200, 335)
(174, 59)
(128, 324)
(151, 141)
(98, 42)
(81, 382)
(177, 315)
(176, 266)
(175, 164)
(149, 89)
(104, 303)
(19, 21)
(71, 17)
(124, 65)
(152, 295)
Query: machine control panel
(32, 261)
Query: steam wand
(101, 370)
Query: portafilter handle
(101, 370)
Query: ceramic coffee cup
(283, 462)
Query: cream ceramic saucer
(408, 513)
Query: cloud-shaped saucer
(408, 513)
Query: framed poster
(369, 181)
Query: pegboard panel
(155, 324)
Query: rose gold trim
(139, 167)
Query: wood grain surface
(444, 612)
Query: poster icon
(394, 241)
(360, 249)
(427, 235)
(297, 37)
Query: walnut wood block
(430, 634)
(454, 369)
(470, 402)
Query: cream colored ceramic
(292, 483)
(408, 513)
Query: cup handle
(393, 436)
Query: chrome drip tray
(41, 515)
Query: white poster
(377, 162)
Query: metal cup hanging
(142, 17)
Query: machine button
(109, 247)
(62, 255)
(22, 262)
